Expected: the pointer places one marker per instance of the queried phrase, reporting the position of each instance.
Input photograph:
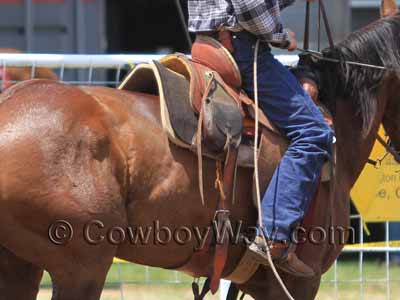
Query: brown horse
(98, 157)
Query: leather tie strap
(222, 215)
(199, 146)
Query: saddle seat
(202, 94)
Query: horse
(88, 162)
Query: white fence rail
(356, 272)
(89, 69)
(78, 61)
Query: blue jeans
(291, 109)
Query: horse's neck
(353, 149)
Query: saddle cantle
(209, 52)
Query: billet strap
(222, 214)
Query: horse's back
(47, 94)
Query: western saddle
(209, 86)
(204, 109)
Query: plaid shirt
(260, 17)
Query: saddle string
(200, 155)
(234, 185)
(256, 175)
(219, 185)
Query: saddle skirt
(204, 94)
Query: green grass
(351, 285)
(158, 284)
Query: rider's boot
(283, 255)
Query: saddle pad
(177, 116)
(176, 112)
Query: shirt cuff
(281, 39)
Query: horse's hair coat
(376, 44)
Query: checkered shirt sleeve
(262, 18)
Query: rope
(319, 56)
(256, 175)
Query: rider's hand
(293, 42)
(310, 87)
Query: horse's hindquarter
(58, 161)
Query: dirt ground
(182, 292)
(141, 292)
(347, 287)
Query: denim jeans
(291, 109)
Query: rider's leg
(285, 102)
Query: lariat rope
(320, 56)
(256, 175)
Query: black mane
(377, 44)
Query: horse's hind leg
(81, 281)
(77, 287)
(19, 280)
